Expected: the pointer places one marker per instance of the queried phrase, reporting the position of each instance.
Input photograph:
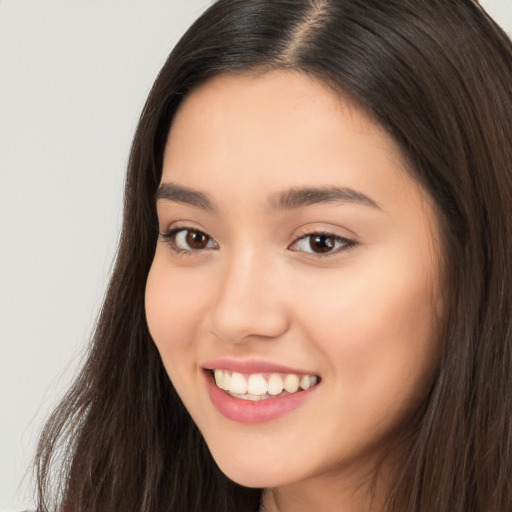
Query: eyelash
(170, 237)
(346, 244)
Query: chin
(254, 473)
(257, 480)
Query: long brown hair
(437, 74)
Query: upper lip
(251, 366)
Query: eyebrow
(287, 200)
(177, 193)
(298, 197)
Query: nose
(250, 301)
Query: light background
(74, 75)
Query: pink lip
(247, 411)
(251, 366)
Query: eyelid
(347, 243)
(169, 237)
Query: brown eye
(196, 239)
(322, 243)
(189, 240)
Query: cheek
(360, 308)
(173, 306)
(376, 331)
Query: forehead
(281, 122)
(296, 103)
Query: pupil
(322, 243)
(196, 240)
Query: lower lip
(247, 411)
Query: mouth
(255, 387)
(250, 391)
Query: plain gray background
(74, 75)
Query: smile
(248, 391)
(262, 386)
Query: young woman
(311, 306)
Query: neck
(339, 492)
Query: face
(296, 267)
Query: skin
(362, 317)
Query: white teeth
(275, 384)
(291, 383)
(238, 384)
(226, 381)
(258, 387)
(305, 382)
(247, 396)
